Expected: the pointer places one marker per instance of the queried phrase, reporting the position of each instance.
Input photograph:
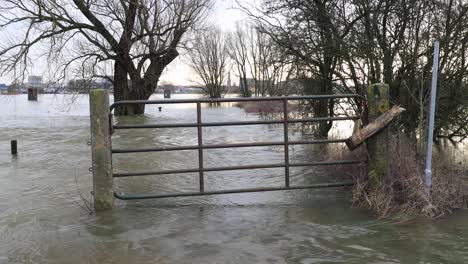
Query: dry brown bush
(402, 194)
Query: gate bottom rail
(121, 196)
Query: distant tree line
(258, 65)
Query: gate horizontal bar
(325, 163)
(238, 123)
(146, 173)
(239, 99)
(238, 145)
(242, 167)
(160, 149)
(264, 189)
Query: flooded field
(43, 193)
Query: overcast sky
(224, 14)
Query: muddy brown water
(42, 220)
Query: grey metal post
(101, 150)
(430, 134)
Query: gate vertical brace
(286, 142)
(200, 148)
(101, 150)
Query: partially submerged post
(32, 94)
(14, 147)
(101, 150)
(377, 145)
(167, 93)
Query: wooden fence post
(101, 150)
(378, 145)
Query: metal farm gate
(200, 147)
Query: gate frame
(103, 127)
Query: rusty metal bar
(200, 147)
(317, 141)
(240, 99)
(242, 167)
(146, 173)
(325, 163)
(223, 168)
(238, 145)
(246, 167)
(286, 140)
(248, 190)
(238, 123)
(160, 149)
(139, 126)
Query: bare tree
(137, 38)
(208, 57)
(238, 52)
(344, 45)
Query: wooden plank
(372, 128)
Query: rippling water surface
(42, 192)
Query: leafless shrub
(402, 194)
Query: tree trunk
(322, 110)
(140, 88)
(120, 88)
(125, 90)
(137, 89)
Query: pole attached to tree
(101, 150)
(430, 134)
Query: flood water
(42, 193)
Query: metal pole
(430, 134)
(200, 148)
(286, 142)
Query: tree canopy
(137, 38)
(345, 45)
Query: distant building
(35, 82)
(85, 85)
(251, 82)
(292, 86)
(3, 88)
(14, 89)
(53, 88)
(289, 87)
